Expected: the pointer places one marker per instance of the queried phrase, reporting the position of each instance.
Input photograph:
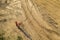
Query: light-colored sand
(40, 19)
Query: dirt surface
(30, 20)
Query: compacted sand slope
(40, 20)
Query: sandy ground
(40, 20)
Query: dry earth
(40, 19)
